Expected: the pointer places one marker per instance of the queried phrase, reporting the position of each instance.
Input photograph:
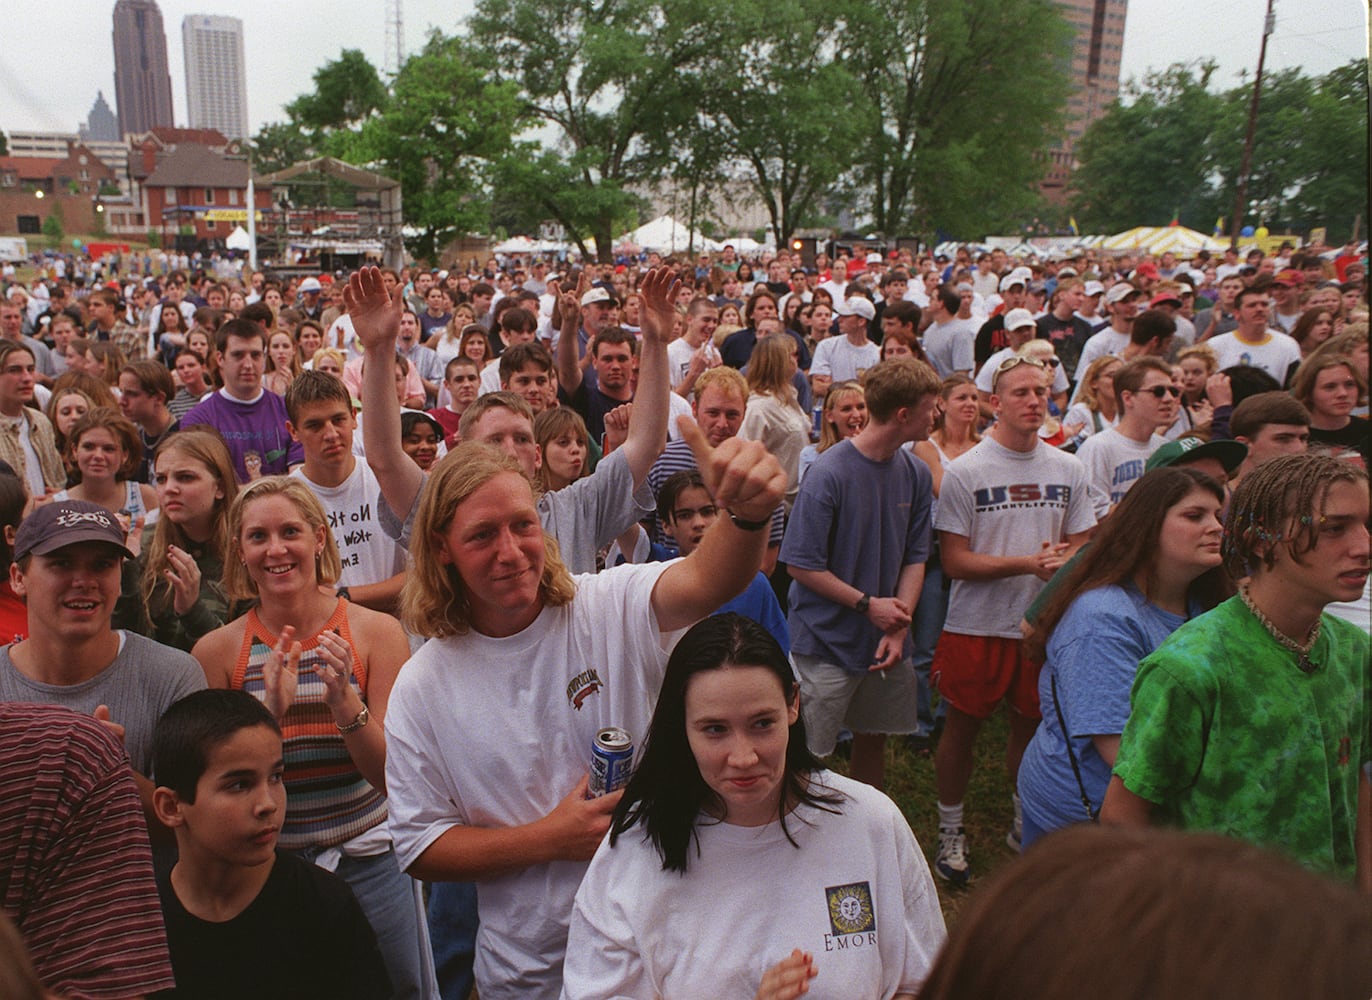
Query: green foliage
(1173, 143)
(154, 239)
(1148, 158)
(4, 145)
(346, 91)
(52, 226)
(448, 120)
(955, 100)
(606, 84)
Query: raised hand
(743, 477)
(658, 291)
(183, 574)
(617, 426)
(374, 312)
(281, 673)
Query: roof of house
(31, 168)
(194, 165)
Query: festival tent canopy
(238, 239)
(1161, 239)
(667, 234)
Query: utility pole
(395, 37)
(1241, 197)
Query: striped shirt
(328, 800)
(75, 866)
(678, 457)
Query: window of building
(29, 225)
(209, 196)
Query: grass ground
(988, 815)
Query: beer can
(612, 761)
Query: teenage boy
(321, 421)
(1122, 305)
(462, 379)
(244, 919)
(845, 358)
(527, 371)
(424, 362)
(1271, 424)
(612, 359)
(1146, 401)
(517, 326)
(1252, 719)
(1252, 342)
(251, 420)
(145, 387)
(694, 352)
(855, 548)
(67, 561)
(1011, 511)
(1219, 318)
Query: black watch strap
(863, 603)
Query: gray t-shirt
(138, 686)
(583, 517)
(951, 346)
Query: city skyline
(284, 50)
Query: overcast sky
(49, 80)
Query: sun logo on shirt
(850, 908)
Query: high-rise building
(1094, 71)
(142, 82)
(216, 82)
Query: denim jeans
(929, 616)
(452, 929)
(388, 898)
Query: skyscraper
(142, 83)
(216, 82)
(1094, 70)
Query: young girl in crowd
(282, 363)
(172, 332)
(181, 583)
(773, 416)
(324, 667)
(105, 449)
(1094, 409)
(202, 344)
(1154, 564)
(564, 447)
(309, 337)
(844, 414)
(739, 846)
(447, 343)
(421, 437)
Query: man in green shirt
(1252, 720)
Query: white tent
(666, 234)
(238, 239)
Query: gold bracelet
(363, 717)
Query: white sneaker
(951, 862)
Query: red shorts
(975, 673)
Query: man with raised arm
(583, 517)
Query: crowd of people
(320, 592)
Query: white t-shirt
(951, 346)
(841, 360)
(1114, 463)
(490, 377)
(1106, 341)
(986, 377)
(1275, 355)
(679, 355)
(496, 732)
(368, 554)
(1008, 503)
(854, 891)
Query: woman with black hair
(727, 799)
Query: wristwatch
(863, 603)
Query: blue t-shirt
(863, 521)
(1094, 653)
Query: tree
(1150, 156)
(603, 82)
(325, 122)
(52, 226)
(956, 100)
(4, 145)
(1172, 144)
(770, 105)
(448, 120)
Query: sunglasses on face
(1159, 391)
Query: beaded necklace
(1301, 650)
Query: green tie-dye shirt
(1227, 734)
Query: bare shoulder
(217, 652)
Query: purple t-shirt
(257, 427)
